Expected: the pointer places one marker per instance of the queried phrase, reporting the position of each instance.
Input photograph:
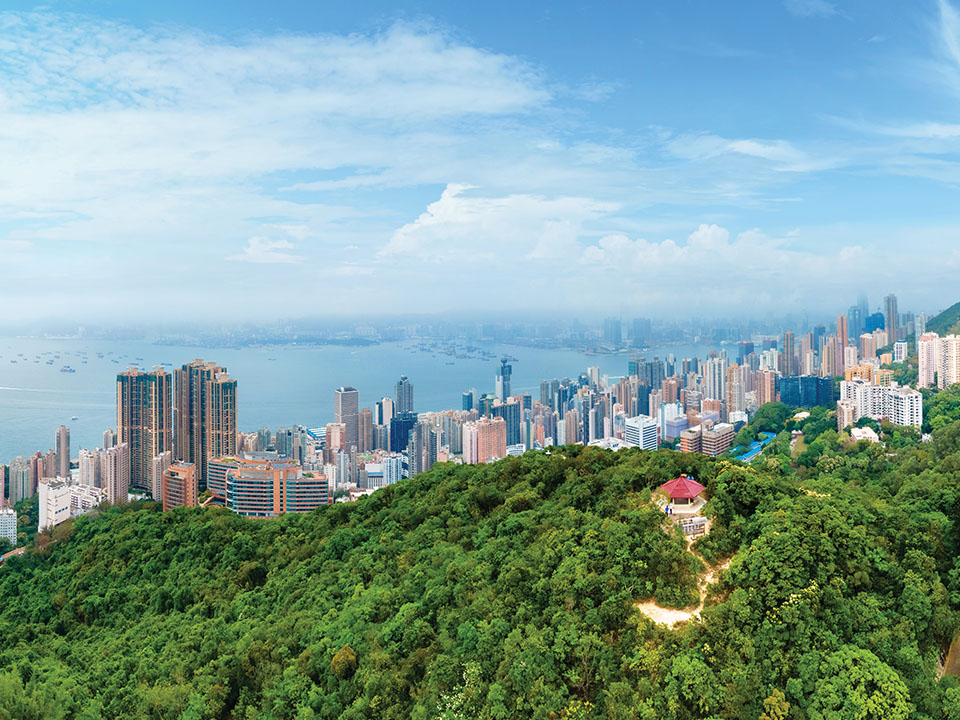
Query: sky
(238, 160)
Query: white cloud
(475, 230)
(264, 251)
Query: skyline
(304, 161)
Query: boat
(74, 418)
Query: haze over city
(258, 161)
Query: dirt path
(672, 616)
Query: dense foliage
(946, 322)
(509, 591)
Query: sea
(276, 386)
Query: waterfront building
(63, 451)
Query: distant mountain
(946, 322)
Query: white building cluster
(939, 360)
(859, 398)
(59, 501)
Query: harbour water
(277, 386)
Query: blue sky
(263, 159)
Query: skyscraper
(613, 331)
(403, 396)
(789, 354)
(144, 420)
(891, 320)
(63, 451)
(365, 431)
(205, 415)
(504, 386)
(842, 339)
(346, 410)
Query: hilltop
(511, 590)
(946, 322)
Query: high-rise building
(63, 451)
(89, 462)
(346, 410)
(8, 526)
(115, 470)
(365, 431)
(789, 354)
(855, 318)
(504, 386)
(21, 480)
(613, 331)
(160, 464)
(928, 357)
(403, 396)
(717, 440)
(641, 432)
(484, 440)
(205, 414)
(948, 372)
(846, 413)
(876, 321)
(891, 318)
(144, 420)
(400, 427)
(842, 339)
(180, 487)
(384, 411)
(806, 391)
(766, 386)
(714, 378)
(264, 441)
(109, 438)
(900, 351)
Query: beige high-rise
(144, 420)
(205, 415)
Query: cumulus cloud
(476, 229)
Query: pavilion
(683, 490)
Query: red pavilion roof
(682, 487)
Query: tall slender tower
(63, 451)
(504, 385)
(789, 355)
(403, 395)
(891, 318)
(842, 339)
(205, 415)
(144, 420)
(346, 410)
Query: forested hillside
(946, 322)
(509, 591)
